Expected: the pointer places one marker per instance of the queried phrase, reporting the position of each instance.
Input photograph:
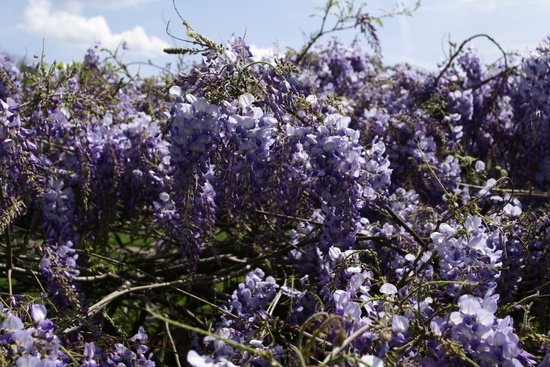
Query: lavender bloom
(88, 355)
(477, 249)
(486, 339)
(532, 116)
(30, 361)
(11, 323)
(194, 136)
(11, 83)
(249, 303)
(121, 356)
(196, 360)
(344, 176)
(30, 341)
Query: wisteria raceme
(10, 78)
(18, 162)
(59, 261)
(529, 101)
(122, 355)
(247, 308)
(479, 250)
(485, 338)
(483, 104)
(252, 166)
(190, 212)
(345, 176)
(337, 71)
(28, 338)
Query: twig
(253, 351)
(512, 192)
(115, 261)
(9, 247)
(172, 344)
(94, 278)
(318, 35)
(309, 221)
(347, 341)
(459, 50)
(95, 308)
(407, 228)
(214, 306)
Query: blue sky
(66, 28)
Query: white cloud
(75, 30)
(77, 4)
(262, 53)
